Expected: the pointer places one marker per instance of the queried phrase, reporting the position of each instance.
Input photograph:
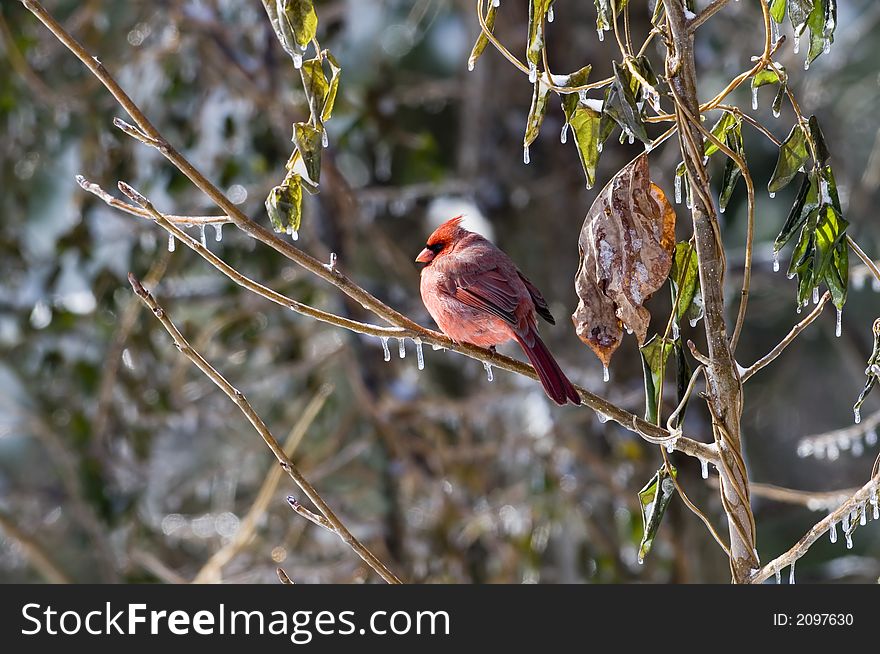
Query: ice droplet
(218, 232)
(401, 347)
(171, 243)
(871, 437)
(550, 15)
(526, 158)
(778, 575)
(815, 295)
(833, 532)
(631, 138)
(772, 195)
(791, 574)
(826, 47)
(678, 189)
(297, 61)
(704, 468)
(599, 146)
(849, 540)
(863, 514)
(601, 34)
(470, 64)
(488, 368)
(797, 42)
(754, 98)
(837, 327)
(325, 139)
(202, 237)
(806, 64)
(496, 3)
(776, 112)
(563, 137)
(533, 73)
(605, 374)
(332, 265)
(602, 417)
(775, 260)
(420, 357)
(385, 349)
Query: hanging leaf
(284, 205)
(655, 353)
(330, 97)
(684, 278)
(818, 140)
(626, 245)
(777, 10)
(540, 96)
(537, 15)
(316, 87)
(798, 12)
(806, 200)
(621, 104)
(653, 500)
(585, 125)
(792, 155)
(872, 371)
(727, 122)
(482, 39)
(732, 172)
(765, 76)
(682, 378)
(570, 101)
(295, 23)
(307, 140)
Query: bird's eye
(435, 247)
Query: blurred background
(120, 462)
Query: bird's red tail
(554, 381)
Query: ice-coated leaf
(482, 39)
(805, 201)
(284, 205)
(621, 104)
(793, 154)
(307, 140)
(585, 124)
(540, 96)
(777, 10)
(626, 246)
(727, 122)
(655, 353)
(871, 370)
(330, 98)
(765, 76)
(684, 277)
(798, 12)
(732, 172)
(316, 86)
(570, 101)
(301, 20)
(537, 16)
(653, 500)
(819, 144)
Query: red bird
(476, 295)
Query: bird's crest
(446, 233)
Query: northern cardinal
(476, 295)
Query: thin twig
(713, 8)
(839, 439)
(35, 553)
(816, 531)
(864, 257)
(813, 500)
(212, 570)
(286, 464)
(785, 342)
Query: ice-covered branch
(829, 444)
(241, 402)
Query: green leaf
(792, 155)
(653, 500)
(777, 101)
(307, 140)
(301, 20)
(871, 371)
(586, 126)
(330, 98)
(570, 100)
(537, 16)
(482, 39)
(684, 277)
(620, 104)
(654, 353)
(316, 87)
(765, 76)
(799, 210)
(682, 378)
(732, 172)
(777, 10)
(604, 15)
(818, 140)
(837, 275)
(727, 122)
(284, 205)
(540, 96)
(798, 12)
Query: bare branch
(713, 8)
(286, 464)
(36, 554)
(785, 342)
(831, 442)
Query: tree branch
(35, 553)
(286, 464)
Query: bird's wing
(484, 288)
(540, 303)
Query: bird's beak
(425, 256)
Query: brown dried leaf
(626, 246)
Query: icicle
(826, 47)
(844, 523)
(857, 448)
(777, 574)
(332, 265)
(871, 437)
(875, 285)
(837, 326)
(704, 468)
(863, 514)
(563, 137)
(385, 349)
(798, 308)
(202, 236)
(292, 233)
(797, 42)
(218, 232)
(678, 189)
(605, 375)
(297, 61)
(601, 417)
(693, 321)
(526, 158)
(670, 446)
(675, 330)
(776, 112)
(775, 260)
(874, 503)
(601, 34)
(533, 73)
(815, 295)
(833, 532)
(631, 138)
(849, 540)
(471, 63)
(325, 139)
(420, 357)
(401, 347)
(171, 243)
(754, 98)
(550, 16)
(721, 209)
(496, 3)
(488, 367)
(806, 64)
(436, 347)
(772, 195)
(774, 31)
(791, 574)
